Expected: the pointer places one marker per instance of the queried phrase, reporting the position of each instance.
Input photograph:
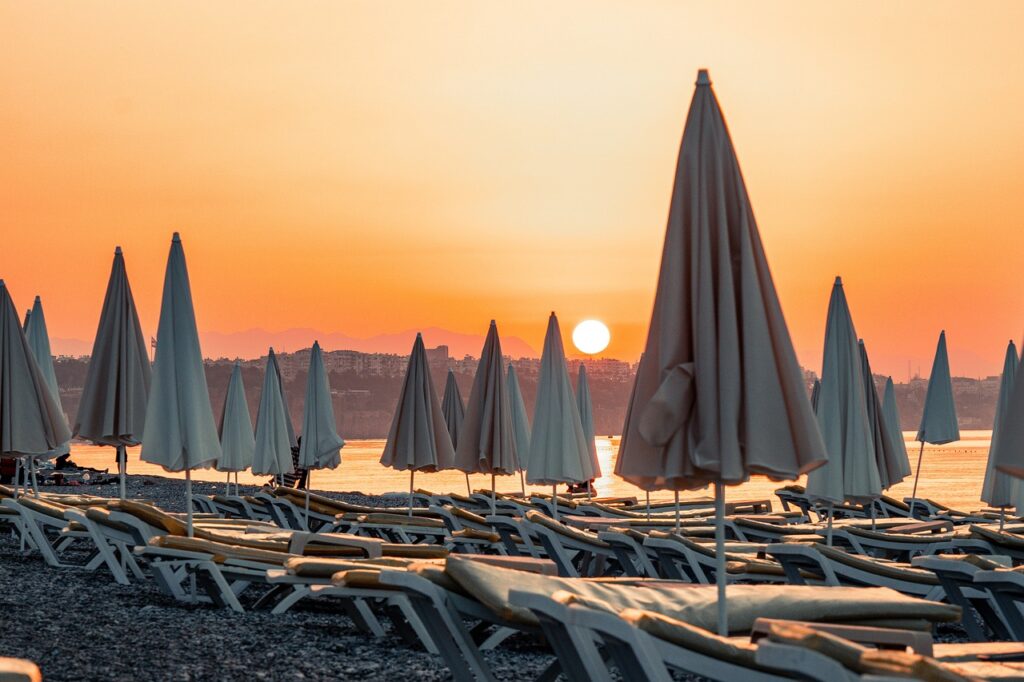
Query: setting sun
(591, 336)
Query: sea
(950, 473)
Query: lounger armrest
(166, 553)
(372, 546)
(789, 659)
(888, 638)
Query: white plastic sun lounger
(956, 573)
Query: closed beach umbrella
(893, 429)
(999, 489)
(815, 392)
(453, 409)
(180, 434)
(520, 421)
(237, 442)
(418, 439)
(1008, 450)
(586, 405)
(938, 422)
(719, 394)
(31, 423)
(851, 473)
(487, 441)
(39, 342)
(558, 445)
(274, 434)
(890, 453)
(321, 445)
(112, 410)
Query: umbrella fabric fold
(180, 433)
(520, 420)
(558, 447)
(418, 438)
(452, 408)
(938, 420)
(586, 407)
(1006, 451)
(1000, 489)
(890, 452)
(274, 434)
(31, 423)
(112, 410)
(815, 392)
(719, 394)
(487, 441)
(851, 473)
(38, 339)
(321, 445)
(237, 441)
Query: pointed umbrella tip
(493, 323)
(38, 299)
(703, 78)
(839, 281)
(176, 237)
(419, 335)
(117, 250)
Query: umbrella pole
(913, 495)
(309, 476)
(588, 491)
(494, 501)
(723, 613)
(122, 465)
(678, 523)
(831, 514)
(227, 486)
(412, 475)
(648, 504)
(554, 501)
(522, 482)
(188, 499)
(873, 515)
(469, 491)
(1002, 518)
(17, 472)
(35, 483)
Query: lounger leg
(1007, 600)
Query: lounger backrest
(564, 530)
(893, 570)
(154, 516)
(41, 506)
(690, 637)
(221, 552)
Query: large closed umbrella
(938, 421)
(586, 406)
(181, 434)
(38, 338)
(851, 473)
(558, 445)
(112, 410)
(719, 394)
(275, 436)
(487, 442)
(418, 439)
(894, 429)
(999, 489)
(31, 423)
(520, 421)
(237, 442)
(321, 445)
(454, 411)
(890, 453)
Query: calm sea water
(952, 473)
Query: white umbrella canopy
(418, 439)
(321, 445)
(38, 339)
(31, 423)
(890, 453)
(999, 489)
(586, 407)
(558, 447)
(938, 421)
(718, 394)
(112, 410)
(851, 473)
(487, 442)
(453, 409)
(1008, 449)
(520, 420)
(893, 428)
(180, 434)
(274, 434)
(237, 442)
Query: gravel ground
(78, 625)
(83, 626)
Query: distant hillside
(365, 388)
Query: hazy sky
(373, 167)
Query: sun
(591, 336)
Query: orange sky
(372, 167)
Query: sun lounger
(628, 546)
(834, 566)
(576, 552)
(1006, 586)
(682, 558)
(19, 670)
(956, 574)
